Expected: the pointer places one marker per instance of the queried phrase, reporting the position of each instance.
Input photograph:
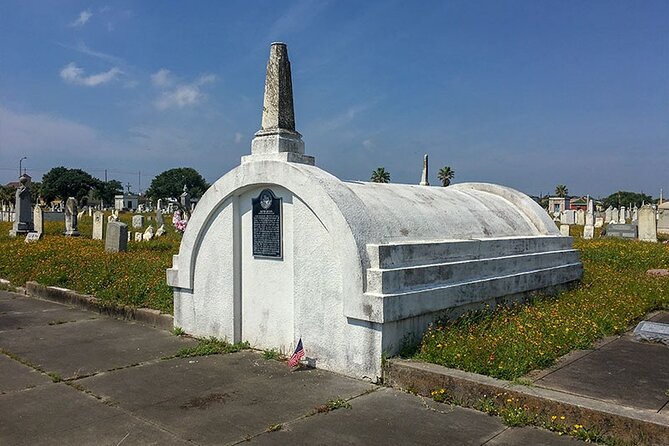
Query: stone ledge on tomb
(429, 301)
(406, 254)
(386, 281)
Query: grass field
(511, 341)
(135, 277)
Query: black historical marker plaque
(266, 216)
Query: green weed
(211, 346)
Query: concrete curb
(69, 297)
(619, 422)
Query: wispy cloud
(82, 48)
(84, 16)
(341, 119)
(296, 18)
(182, 95)
(162, 78)
(72, 74)
(239, 137)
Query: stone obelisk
(423, 178)
(277, 138)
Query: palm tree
(445, 175)
(561, 190)
(380, 175)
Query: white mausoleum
(278, 249)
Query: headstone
(623, 215)
(159, 206)
(98, 225)
(580, 217)
(161, 231)
(138, 236)
(614, 216)
(137, 221)
(38, 220)
(148, 234)
(32, 237)
(111, 218)
(185, 198)
(90, 211)
(129, 236)
(159, 217)
(588, 232)
(599, 222)
(81, 214)
(23, 214)
(622, 231)
(564, 230)
(635, 214)
(568, 217)
(652, 331)
(607, 214)
(71, 217)
(647, 224)
(117, 237)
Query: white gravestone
(647, 224)
(98, 224)
(38, 220)
(564, 230)
(138, 236)
(71, 217)
(137, 221)
(580, 217)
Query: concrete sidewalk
(618, 370)
(74, 377)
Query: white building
(126, 201)
(278, 249)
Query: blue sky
(528, 94)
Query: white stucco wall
(319, 289)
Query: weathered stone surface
(647, 224)
(588, 232)
(159, 217)
(621, 230)
(652, 331)
(71, 221)
(424, 178)
(580, 217)
(137, 221)
(117, 237)
(98, 224)
(564, 230)
(38, 220)
(277, 138)
(23, 214)
(32, 237)
(278, 112)
(139, 236)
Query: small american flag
(299, 354)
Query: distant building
(126, 201)
(558, 204)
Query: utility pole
(105, 175)
(140, 182)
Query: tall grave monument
(278, 249)
(23, 212)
